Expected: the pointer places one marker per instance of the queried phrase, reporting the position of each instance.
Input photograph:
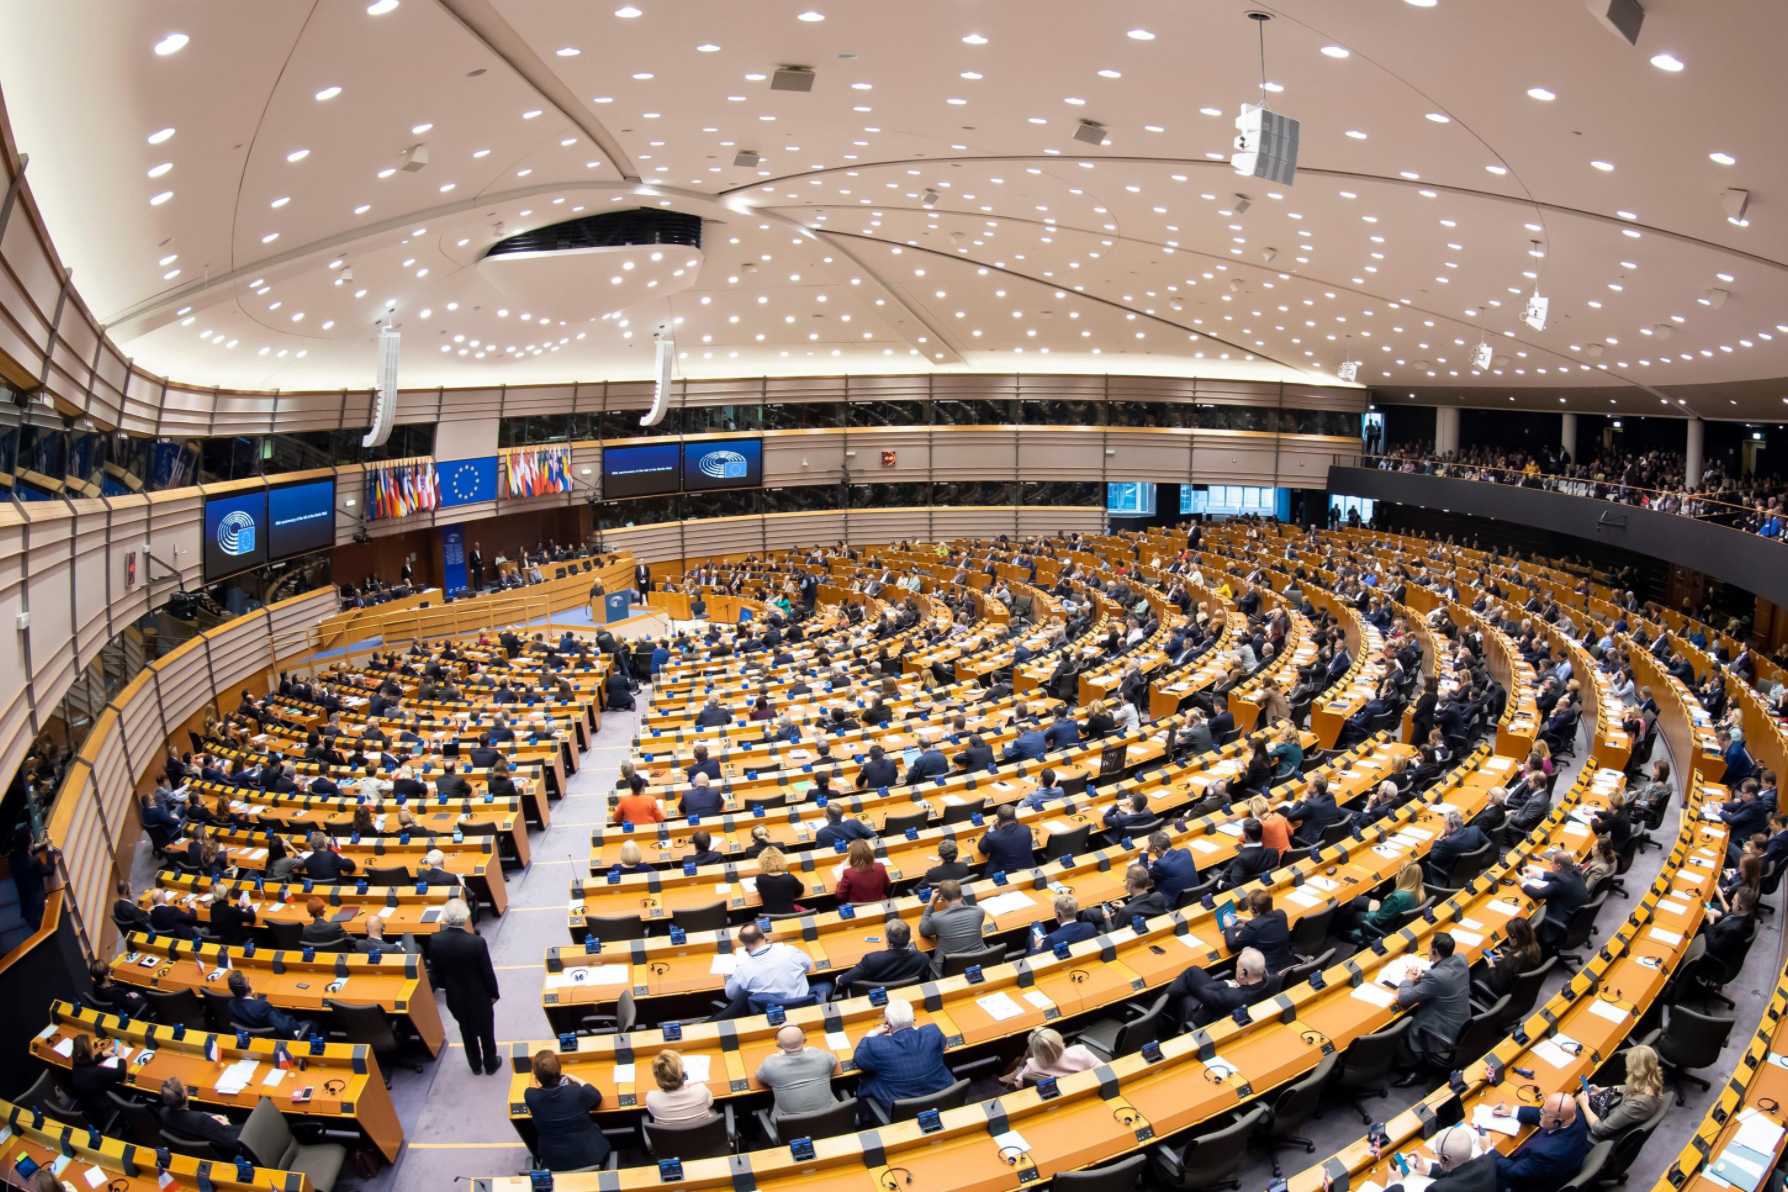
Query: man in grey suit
(952, 924)
(1442, 1001)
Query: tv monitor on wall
(723, 463)
(641, 470)
(300, 518)
(235, 533)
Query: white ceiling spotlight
(1266, 143)
(173, 43)
(379, 8)
(1736, 204)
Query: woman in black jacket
(777, 888)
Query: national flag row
(539, 471)
(398, 490)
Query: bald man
(1456, 1166)
(1552, 1154)
(799, 1075)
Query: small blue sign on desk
(615, 606)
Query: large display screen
(235, 533)
(1131, 498)
(645, 470)
(723, 463)
(300, 518)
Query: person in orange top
(637, 807)
(1275, 829)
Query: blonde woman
(1275, 829)
(676, 1100)
(1047, 1054)
(1611, 1112)
(1379, 917)
(632, 860)
(777, 888)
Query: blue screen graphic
(235, 533)
(300, 518)
(1130, 498)
(723, 463)
(644, 470)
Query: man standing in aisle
(476, 560)
(461, 963)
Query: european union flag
(467, 481)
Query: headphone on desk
(894, 1178)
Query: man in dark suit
(977, 755)
(1072, 925)
(325, 864)
(896, 964)
(931, 763)
(178, 1118)
(1007, 845)
(948, 867)
(1454, 1169)
(1252, 859)
(1173, 870)
(1265, 930)
(1196, 998)
(1141, 899)
(878, 772)
(712, 715)
(231, 921)
(169, 919)
(1552, 1154)
(1460, 838)
(251, 1010)
(1129, 815)
(1314, 814)
(839, 830)
(1563, 892)
(560, 1108)
(433, 871)
(460, 961)
(1028, 746)
(452, 785)
(701, 798)
(703, 764)
(899, 1060)
(702, 850)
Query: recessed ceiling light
(173, 43)
(1541, 94)
(417, 130)
(447, 187)
(270, 237)
(628, 12)
(327, 94)
(531, 113)
(297, 155)
(568, 51)
(1210, 111)
(1607, 167)
(1275, 88)
(161, 136)
(1499, 171)
(169, 259)
(1074, 100)
(1140, 35)
(276, 204)
(158, 200)
(157, 171)
(1439, 118)
(387, 171)
(379, 8)
(1356, 134)
(707, 47)
(523, 173)
(1336, 52)
(1667, 62)
(363, 209)
(1111, 74)
(602, 99)
(810, 16)
(644, 76)
(1421, 3)
(1722, 159)
(974, 39)
(170, 275)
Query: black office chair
(217, 1011)
(134, 1120)
(1580, 929)
(963, 812)
(820, 1123)
(359, 1022)
(1368, 1061)
(1310, 934)
(1630, 1143)
(708, 917)
(1292, 1106)
(709, 1138)
(1589, 1175)
(1208, 1159)
(1123, 1176)
(896, 825)
(613, 929)
(286, 936)
(961, 962)
(192, 1146)
(1296, 974)
(1067, 844)
(388, 875)
(267, 1137)
(1116, 1035)
(624, 1018)
(907, 1108)
(1483, 1031)
(1689, 1040)
(862, 988)
(175, 1007)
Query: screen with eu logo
(723, 463)
(235, 533)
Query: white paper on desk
(723, 965)
(1484, 1119)
(95, 1176)
(1012, 1140)
(1402, 968)
(1375, 993)
(999, 1006)
(838, 1041)
(163, 1179)
(1469, 939)
(236, 1077)
(1305, 899)
(723, 887)
(1011, 900)
(1388, 851)
(1503, 906)
(595, 974)
(65, 1048)
(257, 854)
(1204, 846)
(1371, 1186)
(1416, 834)
(1039, 999)
(1553, 1051)
(1230, 829)
(697, 1067)
(623, 1074)
(1671, 905)
(1672, 938)
(748, 884)
(273, 1078)
(1613, 1012)
(1757, 1132)
(1575, 829)
(1327, 885)
(952, 801)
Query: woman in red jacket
(865, 879)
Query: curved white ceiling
(1397, 246)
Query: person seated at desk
(948, 868)
(374, 943)
(232, 919)
(977, 755)
(713, 715)
(1063, 733)
(1457, 1165)
(1638, 1097)
(560, 1106)
(677, 1100)
(767, 973)
(799, 1077)
(1440, 994)
(1072, 925)
(1460, 838)
(1265, 930)
(931, 762)
(432, 871)
(1140, 898)
(899, 1060)
(1028, 746)
(864, 879)
(251, 1010)
(1046, 1053)
(1561, 888)
(703, 764)
(837, 830)
(617, 693)
(1252, 859)
(896, 964)
(1099, 720)
(952, 924)
(94, 1070)
(1553, 1154)
(1366, 919)
(701, 799)
(1129, 815)
(879, 772)
(320, 932)
(636, 807)
(167, 918)
(1275, 829)
(1173, 870)
(777, 888)
(1197, 999)
(1286, 753)
(1008, 845)
(178, 1118)
(1048, 789)
(1314, 814)
(702, 851)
